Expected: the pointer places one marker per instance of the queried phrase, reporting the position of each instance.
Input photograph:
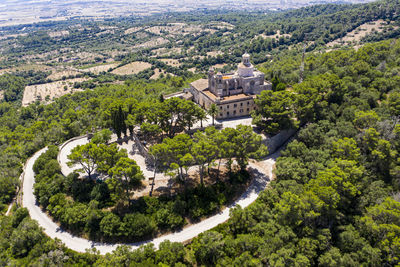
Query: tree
(380, 226)
(394, 103)
(75, 216)
(101, 137)
(137, 225)
(12, 86)
(366, 119)
(346, 148)
(213, 112)
(125, 176)
(108, 156)
(208, 248)
(158, 153)
(221, 142)
(246, 144)
(205, 146)
(110, 225)
(18, 216)
(87, 156)
(275, 111)
(203, 151)
(8, 186)
(172, 151)
(150, 131)
(170, 253)
(191, 113)
(170, 115)
(25, 237)
(118, 119)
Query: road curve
(262, 172)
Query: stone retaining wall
(142, 150)
(275, 142)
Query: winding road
(261, 170)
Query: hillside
(335, 198)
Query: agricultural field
(157, 74)
(171, 62)
(58, 75)
(164, 51)
(354, 37)
(48, 91)
(101, 68)
(153, 42)
(132, 68)
(174, 29)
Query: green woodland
(335, 198)
(103, 209)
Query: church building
(233, 93)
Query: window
(241, 104)
(227, 106)
(241, 110)
(227, 114)
(220, 114)
(234, 112)
(248, 109)
(248, 103)
(234, 105)
(220, 107)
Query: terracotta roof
(226, 99)
(187, 96)
(200, 85)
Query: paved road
(262, 171)
(67, 147)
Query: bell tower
(245, 68)
(211, 80)
(246, 60)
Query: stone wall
(142, 150)
(275, 142)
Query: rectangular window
(241, 110)
(220, 107)
(248, 109)
(220, 114)
(234, 112)
(227, 114)
(248, 103)
(241, 104)
(227, 106)
(234, 105)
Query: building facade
(233, 93)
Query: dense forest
(335, 199)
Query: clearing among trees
(357, 34)
(132, 68)
(171, 62)
(58, 75)
(101, 68)
(48, 91)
